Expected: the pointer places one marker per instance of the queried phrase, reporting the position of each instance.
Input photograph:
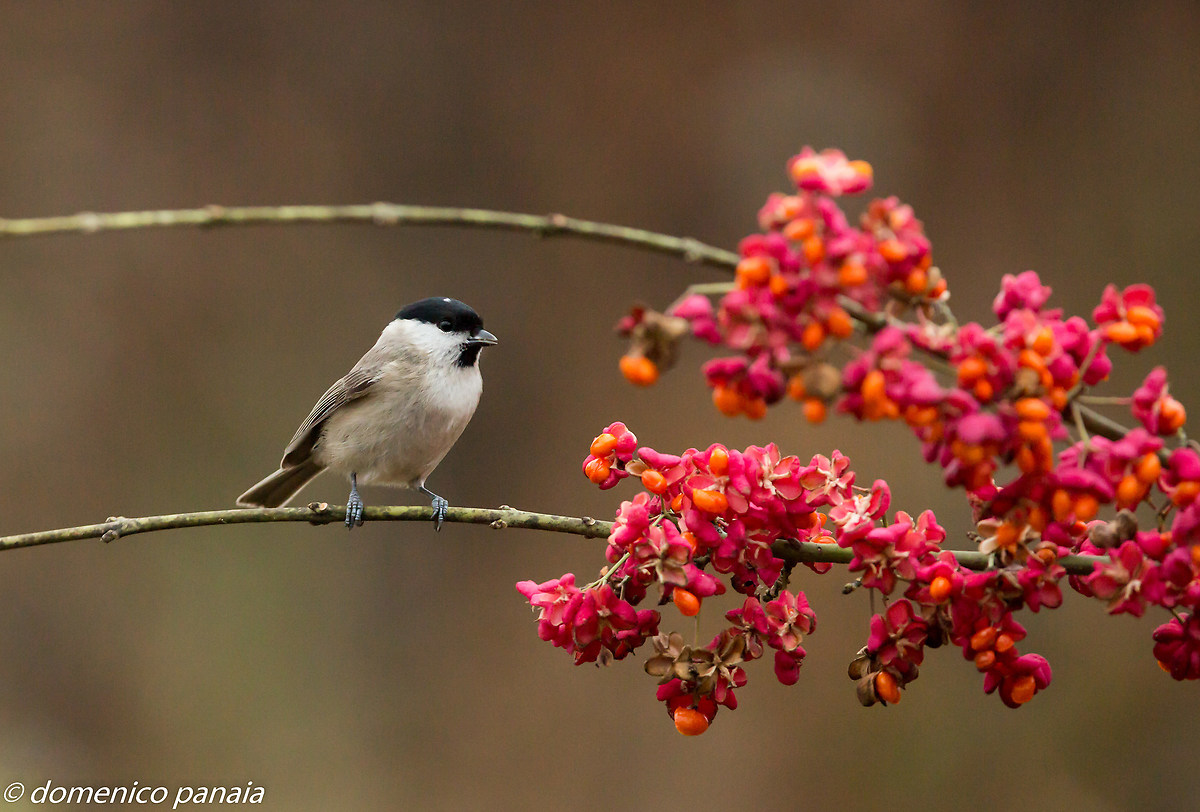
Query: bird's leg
(440, 507)
(354, 505)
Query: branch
(318, 513)
(380, 214)
(314, 513)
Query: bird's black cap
(438, 309)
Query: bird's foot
(440, 507)
(354, 506)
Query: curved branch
(314, 513)
(318, 513)
(380, 214)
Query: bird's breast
(399, 432)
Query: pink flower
(698, 311)
(1121, 581)
(1024, 291)
(829, 172)
(1153, 405)
(855, 516)
(897, 639)
(788, 618)
(1177, 646)
(1130, 317)
(1018, 679)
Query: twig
(319, 513)
(380, 214)
(808, 552)
(313, 513)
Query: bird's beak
(483, 337)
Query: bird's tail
(281, 486)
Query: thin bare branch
(380, 214)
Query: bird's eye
(445, 326)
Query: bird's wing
(355, 384)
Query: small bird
(393, 417)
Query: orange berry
(1026, 460)
(940, 588)
(603, 445)
(1058, 398)
(985, 660)
(984, 390)
(971, 369)
(983, 639)
(861, 167)
(892, 250)
(874, 386)
(677, 503)
(754, 270)
(597, 470)
(852, 274)
(1130, 490)
(1143, 316)
(1060, 505)
(1043, 341)
(690, 722)
(1038, 518)
(795, 387)
(916, 282)
(718, 461)
(800, 229)
(690, 538)
(1030, 359)
(1032, 409)
(1185, 492)
(812, 335)
(814, 249)
(686, 602)
(727, 400)
(710, 501)
(1046, 555)
(1008, 534)
(1031, 431)
(815, 410)
(779, 286)
(790, 207)
(937, 290)
(1086, 507)
(654, 481)
(1003, 643)
(920, 415)
(1121, 332)
(886, 688)
(1171, 415)
(639, 370)
(839, 323)
(755, 408)
(1145, 335)
(1023, 689)
(1148, 467)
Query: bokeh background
(161, 371)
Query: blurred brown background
(160, 371)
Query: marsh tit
(395, 415)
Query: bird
(392, 418)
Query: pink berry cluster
(1002, 409)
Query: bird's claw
(354, 508)
(440, 508)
